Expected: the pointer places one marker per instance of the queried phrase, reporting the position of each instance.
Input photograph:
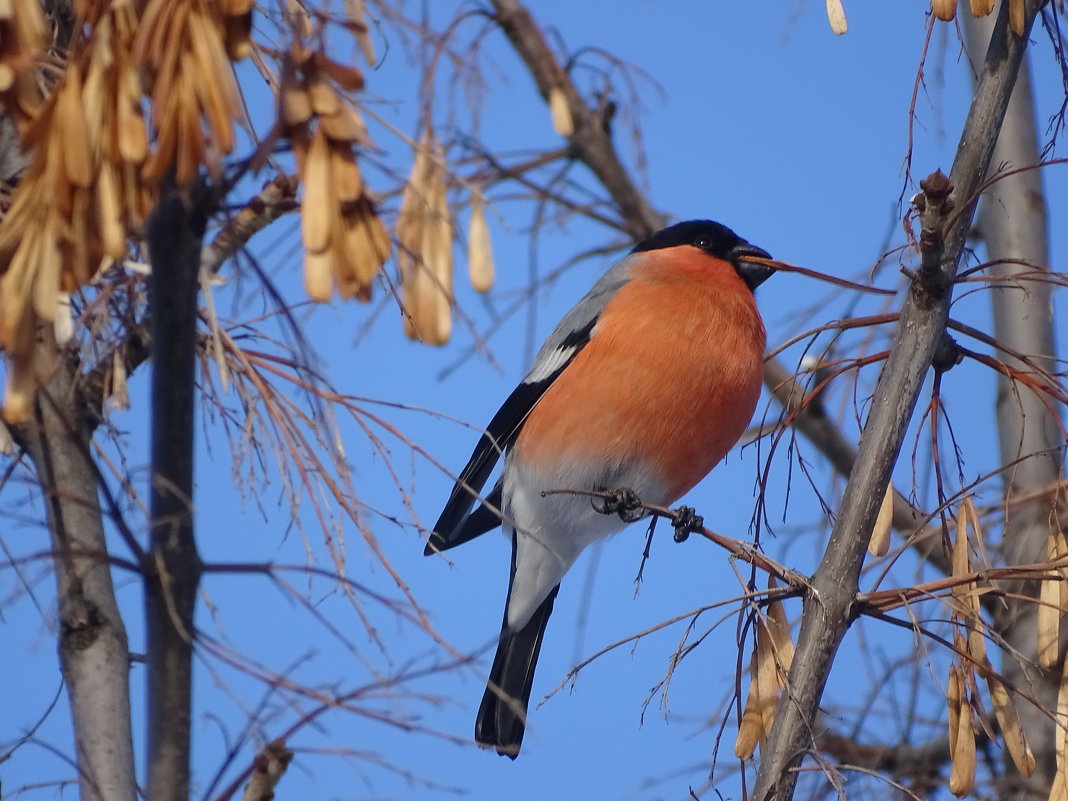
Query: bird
(643, 386)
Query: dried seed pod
(348, 78)
(945, 10)
(1061, 734)
(479, 250)
(345, 178)
(1062, 557)
(962, 775)
(767, 673)
(1059, 789)
(836, 16)
(294, 104)
(954, 699)
(977, 648)
(185, 51)
(751, 726)
(70, 120)
(21, 378)
(967, 593)
(22, 36)
(63, 325)
(318, 197)
(345, 125)
(118, 392)
(563, 124)
(437, 255)
(781, 641)
(1011, 731)
(1017, 17)
(879, 542)
(409, 232)
(323, 96)
(1051, 606)
(424, 233)
(981, 8)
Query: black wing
(457, 524)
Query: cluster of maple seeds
(81, 191)
(92, 176)
(774, 650)
(187, 48)
(424, 246)
(345, 242)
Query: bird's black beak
(745, 258)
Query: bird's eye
(702, 242)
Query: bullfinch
(644, 386)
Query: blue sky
(754, 115)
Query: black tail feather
(449, 532)
(502, 717)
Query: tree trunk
(93, 651)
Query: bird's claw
(623, 502)
(685, 521)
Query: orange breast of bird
(667, 384)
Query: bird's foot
(685, 521)
(623, 502)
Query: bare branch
(93, 650)
(591, 141)
(172, 565)
(269, 767)
(829, 611)
(1013, 225)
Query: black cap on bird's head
(716, 240)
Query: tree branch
(591, 143)
(93, 649)
(830, 609)
(1014, 227)
(175, 234)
